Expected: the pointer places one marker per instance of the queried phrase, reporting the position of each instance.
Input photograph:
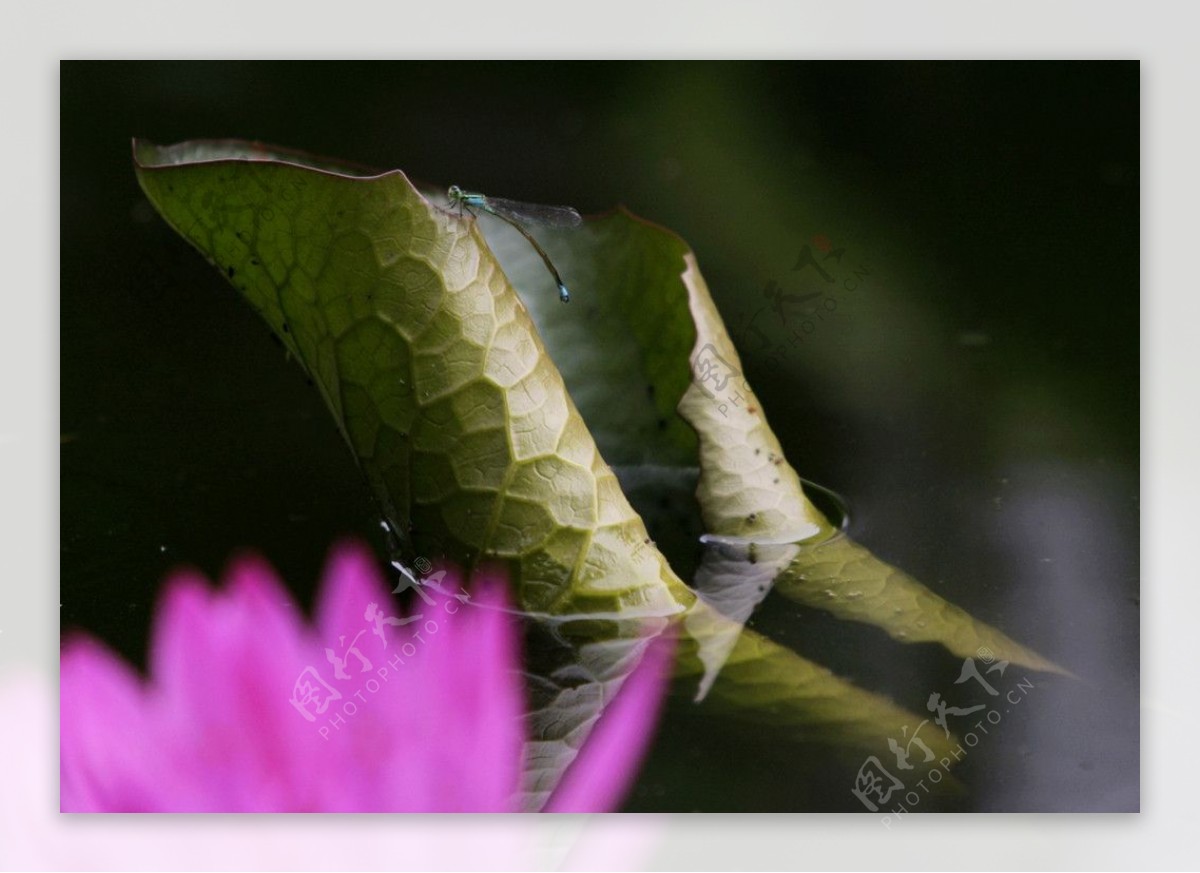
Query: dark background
(974, 400)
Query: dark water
(973, 397)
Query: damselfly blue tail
(518, 215)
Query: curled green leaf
(486, 421)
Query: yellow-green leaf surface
(845, 579)
(429, 364)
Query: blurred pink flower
(250, 708)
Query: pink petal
(598, 779)
(107, 756)
(224, 665)
(249, 709)
(436, 725)
(472, 675)
(351, 582)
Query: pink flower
(249, 708)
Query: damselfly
(518, 215)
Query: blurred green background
(973, 398)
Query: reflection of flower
(242, 712)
